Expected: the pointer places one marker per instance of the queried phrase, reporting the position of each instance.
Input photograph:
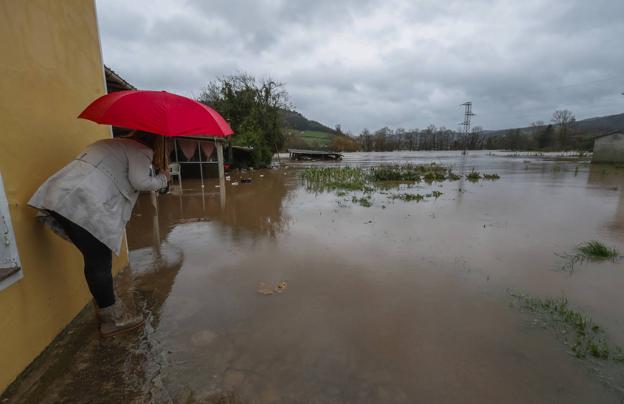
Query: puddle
(399, 302)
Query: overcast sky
(369, 64)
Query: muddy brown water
(401, 302)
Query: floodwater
(400, 302)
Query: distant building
(609, 148)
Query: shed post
(201, 168)
(221, 173)
(220, 161)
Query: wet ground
(400, 302)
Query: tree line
(430, 138)
(560, 134)
(255, 110)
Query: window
(10, 267)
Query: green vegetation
(473, 176)
(596, 250)
(589, 251)
(367, 180)
(409, 173)
(294, 120)
(254, 111)
(316, 139)
(363, 201)
(381, 179)
(361, 179)
(405, 197)
(433, 176)
(332, 178)
(577, 330)
(453, 177)
(436, 194)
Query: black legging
(98, 260)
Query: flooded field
(269, 292)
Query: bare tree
(475, 138)
(565, 121)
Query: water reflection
(255, 208)
(610, 180)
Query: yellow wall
(50, 69)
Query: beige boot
(116, 320)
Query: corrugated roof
(114, 82)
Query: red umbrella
(157, 112)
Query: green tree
(253, 110)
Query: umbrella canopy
(158, 112)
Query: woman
(89, 202)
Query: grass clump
(363, 201)
(408, 173)
(491, 177)
(432, 176)
(593, 250)
(394, 173)
(577, 330)
(408, 197)
(473, 176)
(452, 176)
(332, 178)
(596, 250)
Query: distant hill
(294, 120)
(609, 123)
(597, 125)
(304, 133)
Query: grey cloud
(383, 63)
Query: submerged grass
(408, 197)
(332, 178)
(346, 180)
(361, 179)
(596, 250)
(363, 201)
(452, 176)
(577, 330)
(593, 250)
(473, 176)
(367, 179)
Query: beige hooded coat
(99, 188)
